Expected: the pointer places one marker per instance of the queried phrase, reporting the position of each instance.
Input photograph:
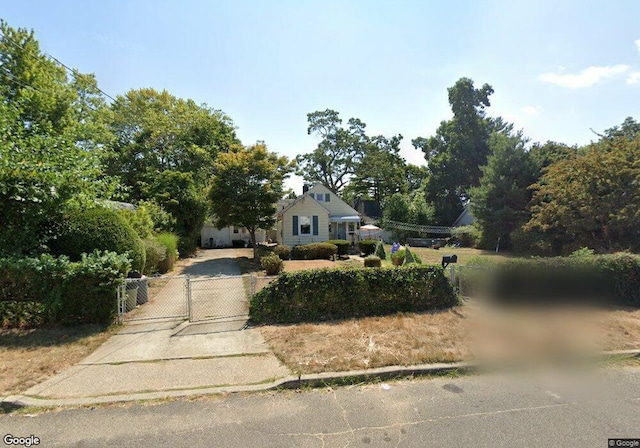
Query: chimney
(305, 188)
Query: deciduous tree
(245, 187)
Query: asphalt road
(495, 410)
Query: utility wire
(73, 71)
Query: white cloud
(586, 78)
(531, 111)
(637, 42)
(633, 78)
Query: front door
(342, 230)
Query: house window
(320, 197)
(351, 227)
(305, 225)
(235, 229)
(329, 228)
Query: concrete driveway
(151, 359)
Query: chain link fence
(153, 298)
(184, 297)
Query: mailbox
(446, 259)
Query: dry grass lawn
(443, 336)
(28, 357)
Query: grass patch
(28, 357)
(403, 339)
(441, 336)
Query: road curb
(289, 382)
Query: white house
(213, 237)
(316, 216)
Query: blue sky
(558, 68)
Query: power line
(73, 71)
(13, 78)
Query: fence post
(187, 291)
(452, 275)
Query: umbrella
(370, 228)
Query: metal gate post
(188, 297)
(120, 293)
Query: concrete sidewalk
(163, 359)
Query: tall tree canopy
(340, 150)
(49, 124)
(500, 201)
(380, 172)
(163, 149)
(591, 199)
(458, 149)
(245, 187)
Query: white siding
(304, 207)
(336, 206)
(224, 236)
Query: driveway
(155, 358)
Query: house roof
(300, 199)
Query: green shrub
(397, 258)
(467, 236)
(156, 253)
(103, 229)
(237, 243)
(314, 251)
(409, 258)
(372, 261)
(283, 251)
(139, 220)
(264, 250)
(367, 247)
(272, 264)
(599, 279)
(170, 242)
(582, 252)
(326, 294)
(343, 246)
(380, 252)
(50, 290)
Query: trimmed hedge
(367, 247)
(50, 290)
(397, 257)
(314, 251)
(327, 294)
(380, 252)
(599, 279)
(103, 229)
(283, 251)
(272, 264)
(372, 261)
(343, 246)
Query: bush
(409, 258)
(343, 246)
(598, 279)
(156, 253)
(264, 250)
(272, 264)
(367, 247)
(85, 231)
(50, 290)
(326, 294)
(372, 261)
(397, 258)
(283, 251)
(467, 236)
(314, 251)
(380, 252)
(238, 243)
(170, 242)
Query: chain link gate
(153, 298)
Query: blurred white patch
(586, 78)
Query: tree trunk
(252, 234)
